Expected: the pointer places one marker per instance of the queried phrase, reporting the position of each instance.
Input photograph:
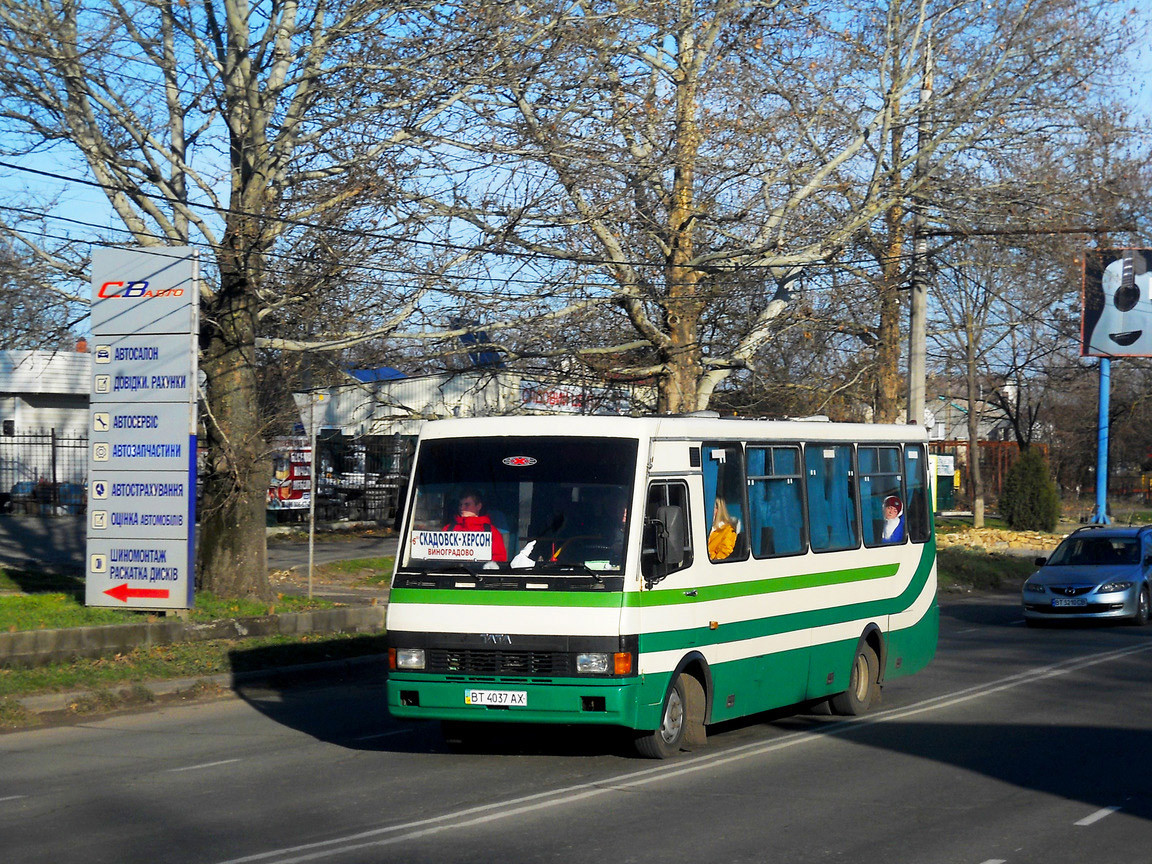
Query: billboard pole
(1100, 516)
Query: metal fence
(358, 478)
(43, 473)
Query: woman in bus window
(893, 520)
(722, 537)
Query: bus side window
(881, 482)
(830, 486)
(724, 483)
(660, 497)
(918, 519)
(775, 501)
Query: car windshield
(1096, 551)
(521, 504)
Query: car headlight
(592, 663)
(1034, 587)
(1113, 587)
(409, 658)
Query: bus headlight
(592, 663)
(409, 658)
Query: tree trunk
(234, 551)
(974, 473)
(888, 330)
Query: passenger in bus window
(893, 520)
(722, 537)
(471, 517)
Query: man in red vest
(472, 518)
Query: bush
(1030, 500)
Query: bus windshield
(521, 505)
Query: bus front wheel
(666, 741)
(863, 684)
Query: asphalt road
(1016, 745)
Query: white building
(42, 391)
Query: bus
(659, 574)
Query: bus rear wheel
(665, 742)
(863, 684)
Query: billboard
(1116, 320)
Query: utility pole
(917, 324)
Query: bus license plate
(1070, 601)
(501, 698)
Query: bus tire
(664, 742)
(863, 684)
(694, 707)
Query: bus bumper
(607, 702)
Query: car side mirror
(1040, 562)
(1148, 560)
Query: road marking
(962, 632)
(995, 861)
(13, 798)
(203, 765)
(1097, 816)
(496, 811)
(384, 735)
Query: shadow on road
(51, 542)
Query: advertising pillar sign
(142, 428)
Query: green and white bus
(602, 601)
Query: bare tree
(660, 154)
(228, 125)
(34, 311)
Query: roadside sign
(142, 429)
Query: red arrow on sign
(123, 593)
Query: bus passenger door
(667, 545)
(666, 562)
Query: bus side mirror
(671, 535)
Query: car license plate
(1070, 601)
(500, 698)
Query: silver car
(1095, 572)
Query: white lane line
(549, 799)
(961, 633)
(13, 798)
(1097, 816)
(995, 861)
(203, 765)
(384, 735)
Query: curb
(230, 681)
(26, 648)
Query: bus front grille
(490, 662)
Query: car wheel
(863, 688)
(1142, 611)
(665, 742)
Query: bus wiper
(464, 567)
(556, 567)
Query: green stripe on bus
(763, 586)
(773, 625)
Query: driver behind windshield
(470, 516)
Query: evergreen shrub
(1030, 500)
